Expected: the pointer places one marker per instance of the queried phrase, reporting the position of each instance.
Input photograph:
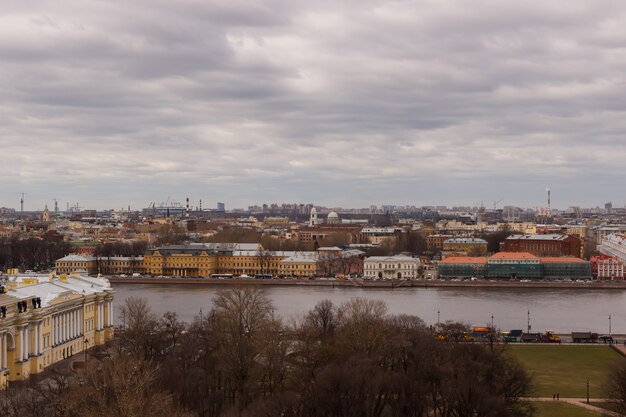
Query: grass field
(559, 409)
(565, 369)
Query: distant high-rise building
(221, 207)
(608, 207)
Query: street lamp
(492, 322)
(587, 390)
(609, 326)
(437, 316)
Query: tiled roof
(464, 260)
(513, 255)
(562, 259)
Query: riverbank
(603, 285)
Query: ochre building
(45, 319)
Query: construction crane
(495, 203)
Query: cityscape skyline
(209, 205)
(347, 103)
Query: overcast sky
(341, 103)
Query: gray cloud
(349, 103)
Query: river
(561, 310)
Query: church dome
(332, 217)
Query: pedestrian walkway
(621, 349)
(579, 402)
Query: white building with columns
(45, 319)
(391, 267)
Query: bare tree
(322, 319)
(362, 324)
(615, 387)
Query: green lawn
(565, 369)
(559, 409)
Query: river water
(561, 310)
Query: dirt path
(579, 402)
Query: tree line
(31, 253)
(240, 359)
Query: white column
(55, 330)
(27, 334)
(71, 316)
(36, 339)
(1, 351)
(40, 338)
(21, 353)
(5, 347)
(111, 313)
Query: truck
(584, 337)
(549, 337)
(513, 336)
(482, 333)
(531, 337)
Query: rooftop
(513, 255)
(464, 260)
(466, 240)
(549, 236)
(562, 259)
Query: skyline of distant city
(202, 205)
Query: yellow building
(300, 265)
(205, 259)
(465, 245)
(45, 319)
(180, 262)
(100, 265)
(251, 263)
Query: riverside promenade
(601, 285)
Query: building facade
(464, 246)
(45, 319)
(93, 265)
(544, 245)
(462, 267)
(613, 244)
(606, 267)
(515, 265)
(391, 267)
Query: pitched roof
(513, 255)
(464, 260)
(562, 259)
